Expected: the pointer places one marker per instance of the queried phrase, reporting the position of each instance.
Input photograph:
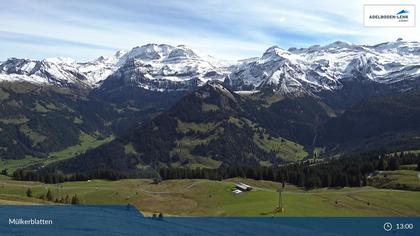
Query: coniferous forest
(351, 171)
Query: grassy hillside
(285, 149)
(214, 198)
(37, 120)
(399, 179)
(86, 142)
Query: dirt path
(172, 192)
(336, 192)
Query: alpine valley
(159, 106)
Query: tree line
(49, 196)
(348, 171)
(53, 177)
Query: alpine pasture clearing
(214, 198)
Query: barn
(243, 187)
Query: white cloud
(226, 29)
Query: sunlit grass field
(214, 198)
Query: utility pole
(280, 207)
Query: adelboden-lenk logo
(389, 15)
(403, 15)
(403, 12)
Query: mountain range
(167, 68)
(166, 105)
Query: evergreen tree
(157, 179)
(29, 192)
(394, 164)
(383, 164)
(75, 200)
(49, 196)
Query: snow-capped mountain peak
(316, 68)
(146, 52)
(276, 50)
(181, 52)
(163, 67)
(60, 72)
(158, 62)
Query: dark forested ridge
(36, 120)
(214, 127)
(211, 128)
(386, 122)
(208, 127)
(296, 118)
(132, 102)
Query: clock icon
(387, 226)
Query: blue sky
(86, 29)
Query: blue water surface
(126, 220)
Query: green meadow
(214, 198)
